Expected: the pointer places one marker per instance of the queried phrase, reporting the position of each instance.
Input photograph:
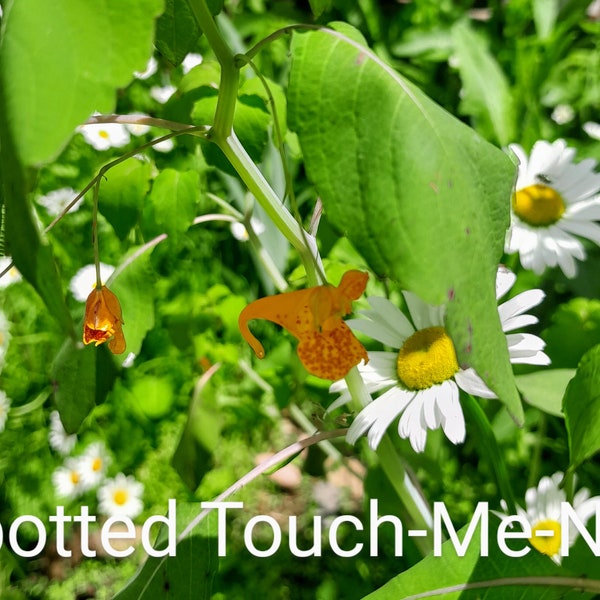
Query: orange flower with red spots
(327, 348)
(103, 321)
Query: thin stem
(228, 87)
(95, 234)
(489, 447)
(268, 199)
(250, 54)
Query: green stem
(393, 467)
(489, 447)
(95, 234)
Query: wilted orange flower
(327, 348)
(103, 320)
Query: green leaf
(422, 197)
(133, 284)
(122, 194)
(574, 330)
(545, 389)
(319, 6)
(61, 60)
(186, 576)
(582, 409)
(487, 95)
(173, 199)
(30, 252)
(545, 13)
(82, 376)
(445, 576)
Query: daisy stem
(491, 449)
(393, 467)
(95, 234)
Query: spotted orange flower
(103, 321)
(327, 348)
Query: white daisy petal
(470, 382)
(419, 311)
(453, 420)
(505, 279)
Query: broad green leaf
(445, 576)
(82, 376)
(574, 330)
(582, 409)
(177, 32)
(133, 285)
(545, 13)
(545, 389)
(487, 95)
(62, 60)
(186, 576)
(30, 252)
(122, 194)
(422, 197)
(173, 199)
(255, 87)
(319, 6)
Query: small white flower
(164, 146)
(67, 479)
(421, 382)
(238, 230)
(162, 93)
(58, 438)
(121, 496)
(93, 464)
(151, 68)
(562, 114)
(84, 281)
(555, 200)
(56, 201)
(103, 136)
(543, 512)
(592, 129)
(4, 338)
(137, 128)
(4, 408)
(12, 276)
(190, 61)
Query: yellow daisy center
(97, 464)
(103, 134)
(538, 205)
(74, 475)
(120, 497)
(427, 358)
(546, 544)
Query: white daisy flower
(4, 338)
(11, 276)
(543, 513)
(562, 114)
(67, 479)
(59, 440)
(151, 68)
(239, 232)
(592, 129)
(162, 93)
(103, 136)
(4, 409)
(121, 497)
(554, 199)
(190, 61)
(84, 281)
(137, 128)
(56, 201)
(421, 382)
(164, 146)
(93, 464)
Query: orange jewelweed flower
(103, 320)
(327, 348)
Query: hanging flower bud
(103, 320)
(327, 348)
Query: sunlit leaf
(62, 60)
(420, 195)
(545, 389)
(486, 94)
(582, 408)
